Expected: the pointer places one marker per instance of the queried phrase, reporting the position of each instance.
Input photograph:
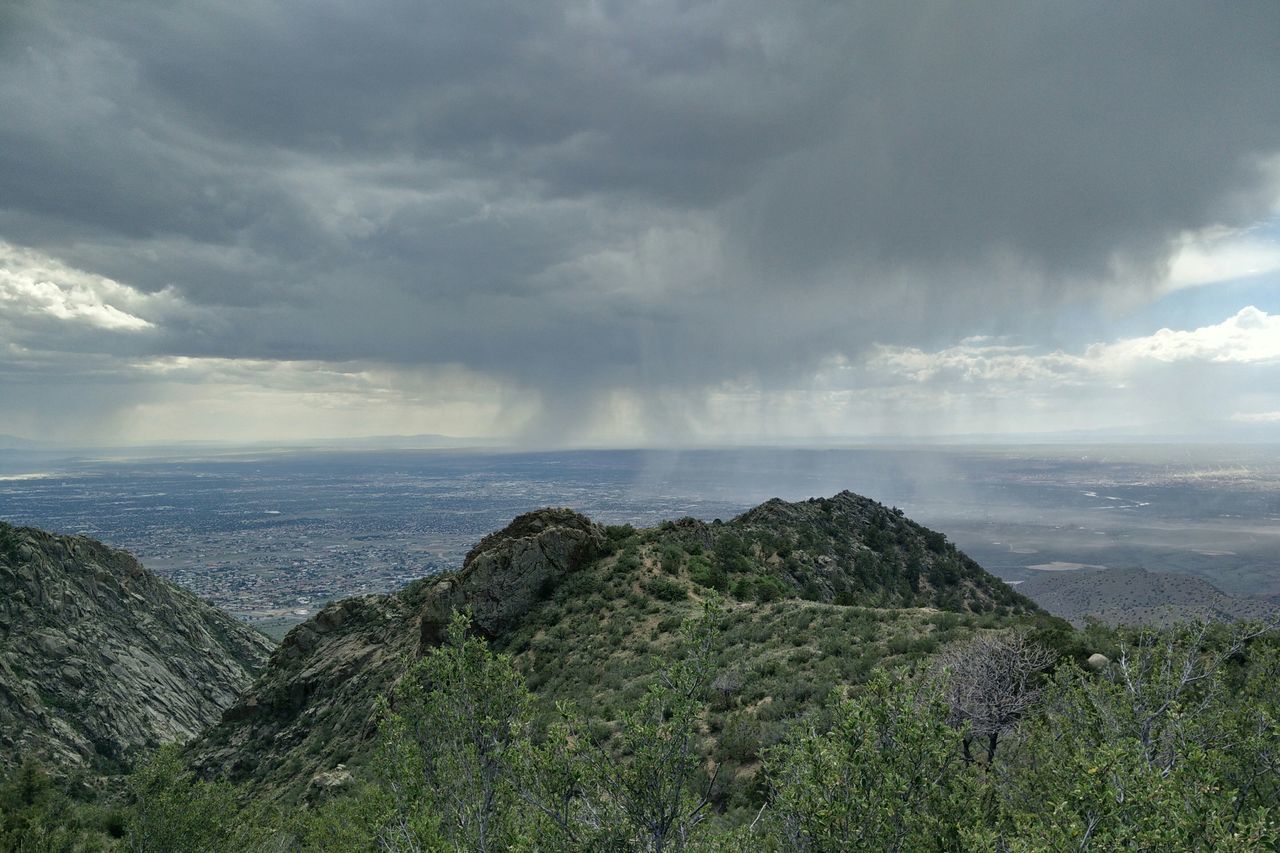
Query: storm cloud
(583, 203)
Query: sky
(646, 222)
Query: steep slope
(1139, 597)
(99, 658)
(584, 609)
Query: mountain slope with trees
(717, 687)
(817, 594)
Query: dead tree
(989, 682)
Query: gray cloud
(582, 197)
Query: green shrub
(664, 589)
(672, 559)
(708, 574)
(769, 588)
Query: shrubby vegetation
(39, 813)
(1004, 741)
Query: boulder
(327, 782)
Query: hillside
(100, 659)
(817, 593)
(1139, 597)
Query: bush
(769, 588)
(665, 590)
(705, 573)
(887, 776)
(173, 811)
(672, 559)
(38, 813)
(628, 560)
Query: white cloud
(1251, 336)
(1256, 417)
(34, 284)
(976, 362)
(230, 399)
(1221, 256)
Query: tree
(645, 788)
(886, 776)
(172, 812)
(989, 683)
(657, 786)
(1152, 753)
(37, 814)
(461, 714)
(460, 767)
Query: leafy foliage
(458, 715)
(1156, 752)
(885, 776)
(172, 811)
(1173, 745)
(39, 813)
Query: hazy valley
(271, 536)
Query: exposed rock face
(317, 699)
(329, 782)
(508, 572)
(99, 658)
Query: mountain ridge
(582, 608)
(1137, 596)
(101, 660)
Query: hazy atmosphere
(638, 223)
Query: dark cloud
(583, 196)
(1067, 134)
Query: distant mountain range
(1138, 597)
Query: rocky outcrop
(510, 571)
(100, 659)
(316, 701)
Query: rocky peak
(510, 571)
(846, 504)
(850, 549)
